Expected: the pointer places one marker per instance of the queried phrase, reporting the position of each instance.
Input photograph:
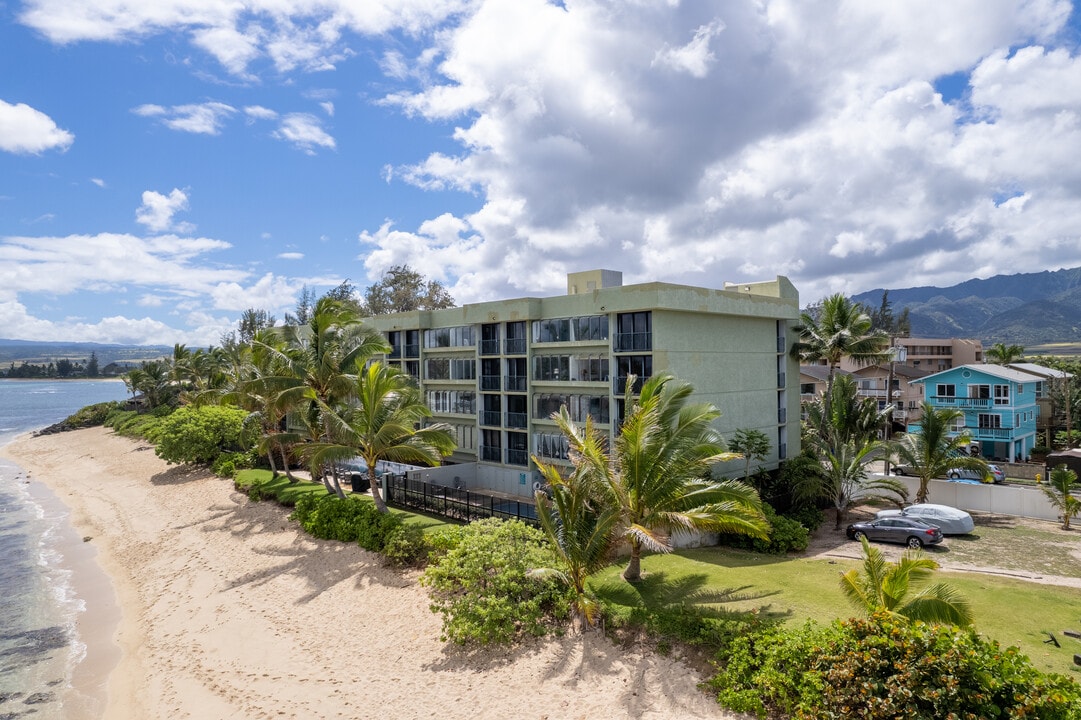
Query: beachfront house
(496, 371)
(999, 405)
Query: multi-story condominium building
(931, 354)
(999, 405)
(496, 371)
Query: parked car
(903, 530)
(958, 474)
(996, 473)
(949, 520)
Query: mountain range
(1027, 309)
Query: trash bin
(358, 482)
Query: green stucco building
(496, 371)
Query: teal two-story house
(999, 405)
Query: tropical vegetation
(1060, 488)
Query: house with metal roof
(999, 406)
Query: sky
(167, 164)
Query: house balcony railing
(412, 351)
(960, 402)
(490, 418)
(490, 453)
(978, 433)
(489, 382)
(395, 352)
(489, 347)
(621, 385)
(515, 383)
(514, 346)
(517, 457)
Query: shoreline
(227, 610)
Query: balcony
(412, 351)
(960, 402)
(515, 383)
(978, 433)
(395, 352)
(490, 453)
(517, 457)
(489, 382)
(621, 385)
(629, 342)
(514, 346)
(489, 347)
(491, 418)
(516, 420)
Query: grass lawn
(1008, 610)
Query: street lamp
(898, 354)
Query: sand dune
(227, 611)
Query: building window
(551, 445)
(579, 407)
(585, 328)
(989, 421)
(807, 389)
(641, 366)
(1002, 394)
(634, 332)
(943, 390)
(457, 402)
(449, 337)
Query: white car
(949, 520)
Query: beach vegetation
(785, 535)
(879, 586)
(885, 667)
(91, 415)
(482, 589)
(347, 520)
(578, 521)
(198, 435)
(131, 423)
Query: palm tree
(885, 587)
(578, 521)
(381, 424)
(317, 366)
(841, 329)
(844, 478)
(841, 416)
(1003, 354)
(1060, 485)
(933, 450)
(655, 471)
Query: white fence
(1001, 499)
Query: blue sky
(165, 165)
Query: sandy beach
(227, 611)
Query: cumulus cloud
(258, 112)
(157, 211)
(202, 118)
(26, 131)
(291, 256)
(305, 132)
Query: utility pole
(898, 353)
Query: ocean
(39, 605)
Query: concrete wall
(1001, 499)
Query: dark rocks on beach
(62, 426)
(39, 697)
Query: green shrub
(353, 519)
(133, 424)
(406, 545)
(481, 589)
(92, 415)
(201, 434)
(881, 668)
(786, 535)
(229, 463)
(809, 516)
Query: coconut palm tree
(1060, 485)
(841, 416)
(845, 479)
(316, 368)
(840, 329)
(656, 471)
(577, 519)
(1003, 354)
(934, 449)
(888, 587)
(380, 424)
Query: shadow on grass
(658, 594)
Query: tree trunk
(373, 486)
(270, 457)
(285, 465)
(633, 573)
(330, 481)
(921, 494)
(839, 516)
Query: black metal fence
(455, 503)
